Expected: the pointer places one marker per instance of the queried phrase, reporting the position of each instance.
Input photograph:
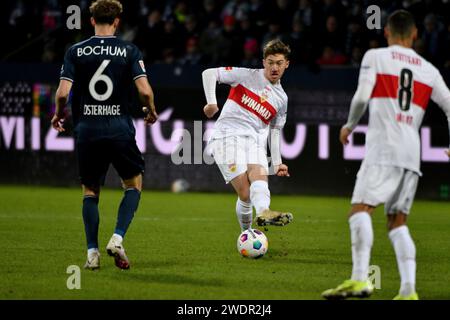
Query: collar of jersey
(103, 36)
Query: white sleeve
(232, 75)
(368, 71)
(359, 104)
(441, 96)
(280, 119)
(366, 83)
(274, 144)
(209, 78)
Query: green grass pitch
(183, 246)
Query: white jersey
(403, 82)
(254, 104)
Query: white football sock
(91, 251)
(405, 251)
(362, 240)
(244, 212)
(118, 237)
(260, 196)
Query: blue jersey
(103, 70)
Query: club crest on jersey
(263, 98)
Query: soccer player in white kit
(397, 84)
(254, 112)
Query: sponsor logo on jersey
(253, 103)
(102, 50)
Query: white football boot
(115, 249)
(93, 261)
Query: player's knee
(244, 194)
(133, 183)
(396, 220)
(360, 207)
(92, 190)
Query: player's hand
(282, 170)
(210, 110)
(448, 152)
(57, 123)
(150, 115)
(343, 135)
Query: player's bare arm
(61, 98)
(146, 97)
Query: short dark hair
(105, 11)
(401, 23)
(276, 47)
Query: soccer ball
(252, 243)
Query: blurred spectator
(332, 36)
(251, 54)
(434, 40)
(331, 57)
(356, 57)
(171, 38)
(224, 31)
(150, 33)
(299, 42)
(208, 42)
(210, 11)
(274, 31)
(305, 13)
(229, 43)
(282, 12)
(355, 37)
(235, 8)
(192, 55)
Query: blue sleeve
(137, 64)
(68, 68)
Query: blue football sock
(128, 207)
(91, 220)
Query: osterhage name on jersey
(101, 110)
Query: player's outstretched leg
(405, 252)
(244, 212)
(260, 198)
(91, 221)
(362, 240)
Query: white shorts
(232, 155)
(393, 186)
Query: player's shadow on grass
(170, 279)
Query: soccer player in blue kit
(101, 72)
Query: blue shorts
(94, 158)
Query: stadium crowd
(226, 32)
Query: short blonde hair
(276, 47)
